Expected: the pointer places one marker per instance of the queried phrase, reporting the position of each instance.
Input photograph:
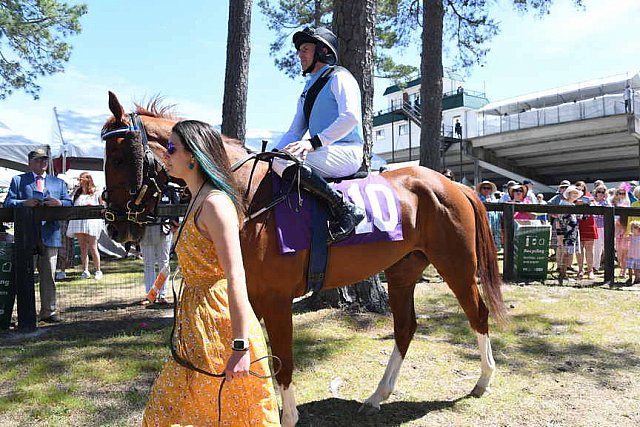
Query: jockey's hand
(237, 365)
(299, 149)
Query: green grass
(569, 357)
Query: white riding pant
(329, 161)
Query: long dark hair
(205, 143)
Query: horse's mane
(155, 108)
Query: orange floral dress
(181, 396)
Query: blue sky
(138, 48)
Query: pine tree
(236, 79)
(32, 41)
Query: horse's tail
(487, 261)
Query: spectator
(568, 232)
(541, 201)
(588, 234)
(155, 246)
(557, 199)
(627, 98)
(631, 193)
(530, 196)
(36, 188)
(87, 231)
(633, 258)
(621, 199)
(599, 199)
(458, 129)
(486, 191)
(448, 173)
(460, 90)
(65, 252)
(517, 193)
(505, 194)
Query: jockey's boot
(345, 216)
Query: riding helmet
(322, 37)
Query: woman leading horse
(443, 223)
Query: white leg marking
(487, 366)
(289, 409)
(387, 383)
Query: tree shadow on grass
(335, 412)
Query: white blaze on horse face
(289, 410)
(487, 366)
(388, 381)
(379, 221)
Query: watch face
(240, 345)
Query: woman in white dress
(87, 231)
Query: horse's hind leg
(487, 365)
(401, 278)
(459, 273)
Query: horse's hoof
(368, 409)
(479, 391)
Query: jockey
(333, 119)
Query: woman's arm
(218, 221)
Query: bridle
(152, 185)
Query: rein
(151, 185)
(265, 156)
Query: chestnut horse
(443, 223)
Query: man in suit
(37, 188)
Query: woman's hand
(237, 365)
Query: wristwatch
(240, 344)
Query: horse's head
(135, 177)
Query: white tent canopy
(76, 139)
(15, 148)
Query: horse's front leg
(404, 325)
(277, 319)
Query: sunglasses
(518, 191)
(621, 193)
(171, 148)
(485, 188)
(600, 192)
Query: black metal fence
(88, 297)
(77, 298)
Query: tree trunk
(368, 295)
(236, 78)
(354, 24)
(431, 84)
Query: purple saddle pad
(383, 221)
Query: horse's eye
(104, 195)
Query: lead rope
(172, 345)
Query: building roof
(564, 94)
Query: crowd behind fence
(123, 286)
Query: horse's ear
(116, 107)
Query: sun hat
(485, 183)
(524, 187)
(572, 189)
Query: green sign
(7, 290)
(531, 243)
